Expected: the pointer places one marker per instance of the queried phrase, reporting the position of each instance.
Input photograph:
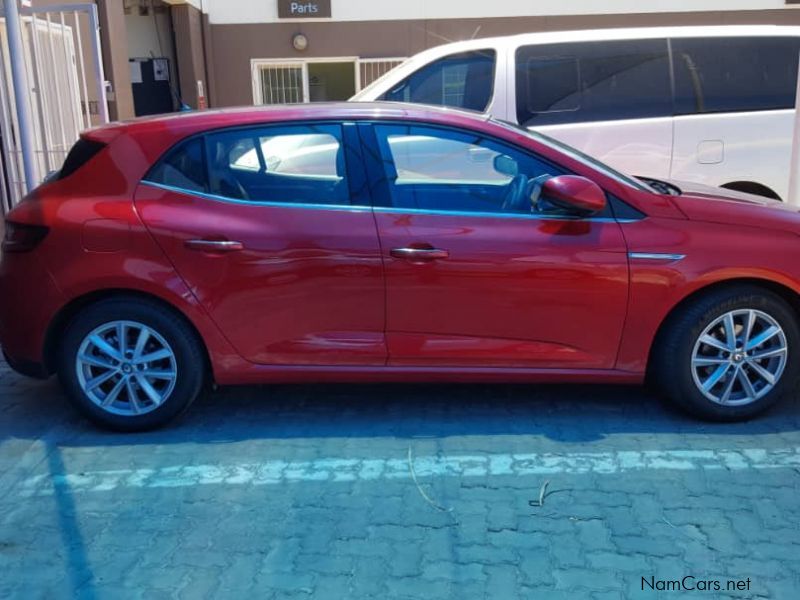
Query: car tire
(145, 382)
(700, 369)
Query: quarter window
(182, 167)
(443, 170)
(592, 81)
(734, 74)
(298, 164)
(464, 80)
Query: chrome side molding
(655, 256)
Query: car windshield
(579, 156)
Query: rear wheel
(130, 364)
(729, 355)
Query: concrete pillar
(187, 24)
(114, 40)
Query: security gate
(372, 69)
(65, 87)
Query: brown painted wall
(187, 23)
(230, 47)
(114, 42)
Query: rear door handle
(419, 254)
(214, 245)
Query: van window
(464, 80)
(592, 81)
(734, 74)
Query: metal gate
(65, 87)
(372, 69)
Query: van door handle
(419, 254)
(214, 245)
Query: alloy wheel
(126, 368)
(739, 357)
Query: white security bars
(65, 90)
(371, 69)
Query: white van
(712, 105)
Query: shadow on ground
(563, 413)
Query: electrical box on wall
(150, 83)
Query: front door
(273, 243)
(474, 277)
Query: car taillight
(21, 237)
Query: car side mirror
(574, 193)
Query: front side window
(734, 74)
(293, 164)
(435, 169)
(464, 80)
(183, 167)
(592, 81)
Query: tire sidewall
(693, 399)
(177, 334)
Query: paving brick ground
(306, 492)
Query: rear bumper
(29, 299)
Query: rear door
(611, 99)
(271, 228)
(474, 276)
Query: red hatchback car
(386, 242)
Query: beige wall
(230, 47)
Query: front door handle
(214, 245)
(419, 254)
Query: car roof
(196, 121)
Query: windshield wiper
(662, 187)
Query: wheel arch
(791, 296)
(65, 315)
(752, 187)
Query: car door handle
(419, 254)
(214, 245)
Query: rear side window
(286, 164)
(464, 80)
(182, 167)
(80, 154)
(592, 81)
(734, 74)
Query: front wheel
(730, 354)
(130, 364)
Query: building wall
(266, 11)
(188, 26)
(150, 36)
(232, 46)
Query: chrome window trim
(216, 198)
(383, 209)
(498, 215)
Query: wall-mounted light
(300, 42)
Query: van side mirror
(574, 193)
